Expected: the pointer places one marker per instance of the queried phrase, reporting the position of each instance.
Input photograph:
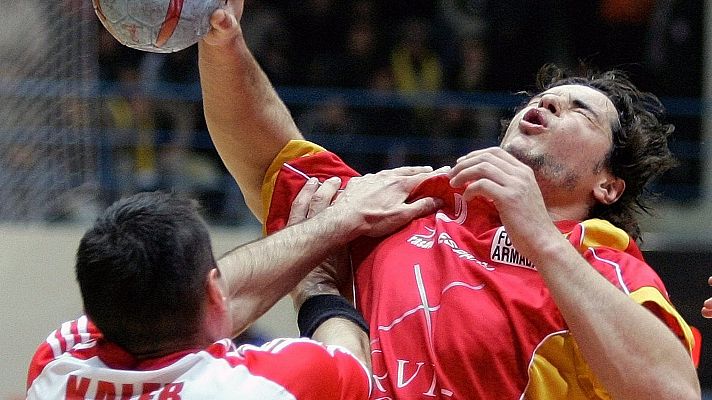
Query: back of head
(640, 150)
(142, 271)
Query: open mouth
(534, 117)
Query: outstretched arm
(262, 272)
(247, 121)
(326, 279)
(615, 334)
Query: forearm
(344, 333)
(247, 121)
(616, 335)
(260, 273)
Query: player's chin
(518, 152)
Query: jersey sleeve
(308, 369)
(617, 257)
(298, 161)
(60, 341)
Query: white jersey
(75, 362)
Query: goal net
(47, 84)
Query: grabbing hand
(371, 205)
(499, 177)
(374, 204)
(333, 275)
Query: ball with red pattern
(158, 26)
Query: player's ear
(214, 289)
(609, 189)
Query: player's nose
(552, 103)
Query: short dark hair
(142, 271)
(639, 153)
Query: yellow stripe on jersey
(648, 294)
(598, 232)
(294, 149)
(558, 371)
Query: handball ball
(158, 26)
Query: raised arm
(247, 121)
(260, 273)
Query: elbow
(672, 384)
(693, 392)
(688, 389)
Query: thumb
(222, 20)
(421, 207)
(223, 26)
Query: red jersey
(455, 311)
(75, 362)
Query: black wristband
(318, 309)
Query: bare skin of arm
(328, 278)
(615, 334)
(344, 333)
(260, 273)
(247, 121)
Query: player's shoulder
(596, 233)
(72, 337)
(615, 254)
(302, 364)
(291, 346)
(299, 353)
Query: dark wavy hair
(639, 153)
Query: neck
(171, 348)
(565, 205)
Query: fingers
(313, 198)
(220, 19)
(408, 178)
(707, 308)
(324, 196)
(223, 25)
(494, 163)
(422, 207)
(442, 170)
(483, 188)
(301, 203)
(406, 171)
(498, 151)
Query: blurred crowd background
(392, 83)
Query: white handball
(158, 26)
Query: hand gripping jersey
(76, 363)
(454, 310)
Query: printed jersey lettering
(423, 241)
(80, 388)
(420, 375)
(427, 241)
(460, 211)
(504, 252)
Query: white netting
(47, 79)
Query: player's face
(564, 134)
